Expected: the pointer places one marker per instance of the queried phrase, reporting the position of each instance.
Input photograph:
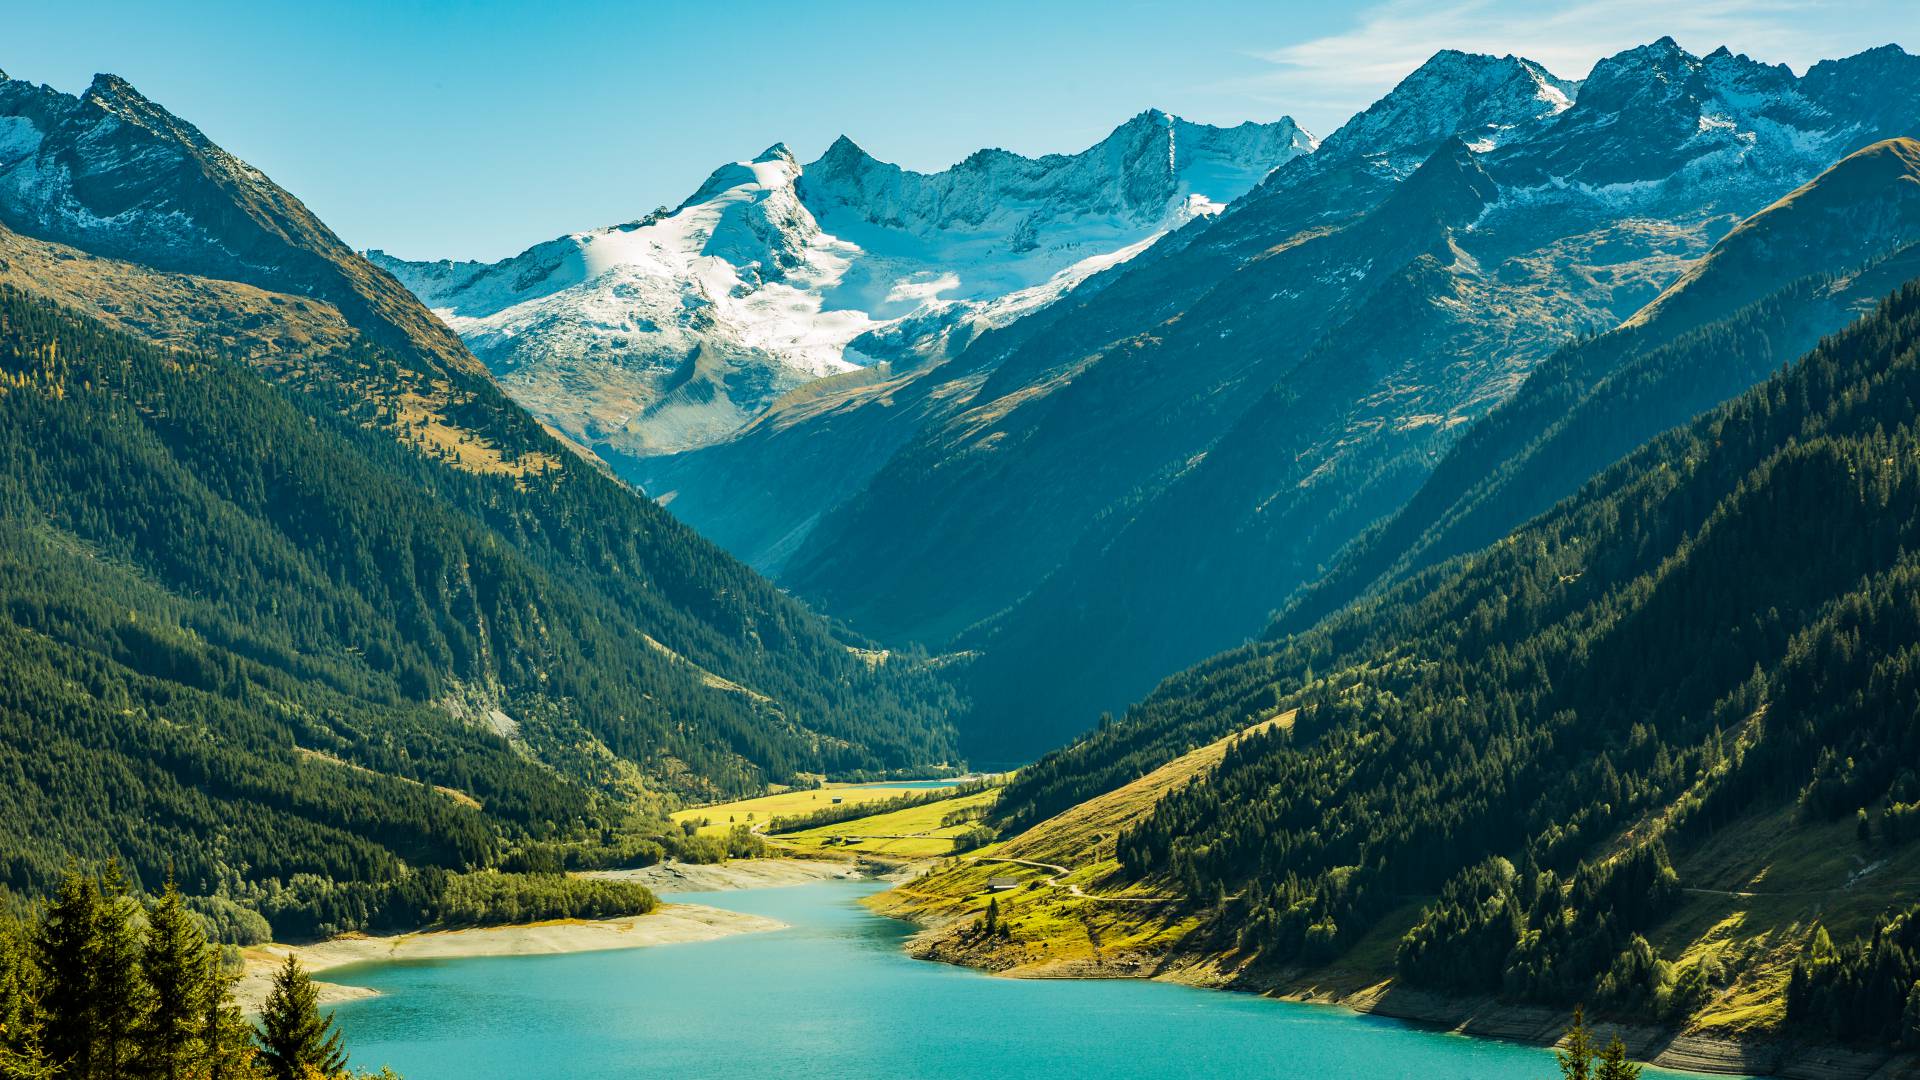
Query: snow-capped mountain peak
(1143, 167)
(1485, 100)
(687, 323)
(1654, 120)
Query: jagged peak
(1663, 54)
(742, 173)
(1660, 57)
(1451, 58)
(777, 152)
(1726, 57)
(1451, 176)
(1879, 57)
(1452, 93)
(1878, 52)
(113, 94)
(1664, 80)
(1452, 64)
(1150, 117)
(107, 86)
(1285, 123)
(844, 156)
(1643, 74)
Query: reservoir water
(833, 996)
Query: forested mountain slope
(1084, 508)
(263, 502)
(1619, 756)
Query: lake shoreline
(1478, 1017)
(837, 957)
(771, 872)
(668, 924)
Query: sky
(436, 129)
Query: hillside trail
(1072, 889)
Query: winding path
(1059, 872)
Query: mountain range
(1600, 691)
(1146, 469)
(672, 331)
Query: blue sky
(472, 130)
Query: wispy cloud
(1330, 77)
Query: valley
(861, 620)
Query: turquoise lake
(833, 996)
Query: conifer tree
(1576, 1057)
(66, 945)
(296, 1042)
(228, 1037)
(120, 986)
(180, 968)
(1614, 1064)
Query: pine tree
(296, 1042)
(180, 967)
(1576, 1058)
(65, 945)
(1614, 1064)
(120, 984)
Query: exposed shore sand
(667, 924)
(676, 877)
